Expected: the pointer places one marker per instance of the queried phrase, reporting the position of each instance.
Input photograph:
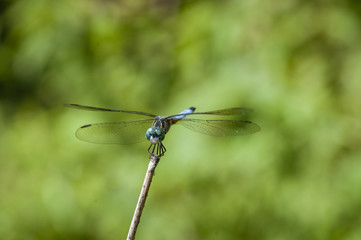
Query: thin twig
(154, 159)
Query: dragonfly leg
(157, 149)
(162, 148)
(151, 151)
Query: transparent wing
(88, 108)
(227, 111)
(125, 132)
(220, 127)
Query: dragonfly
(154, 127)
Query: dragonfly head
(154, 135)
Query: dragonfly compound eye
(150, 132)
(160, 133)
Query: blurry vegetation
(296, 63)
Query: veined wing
(82, 107)
(125, 132)
(227, 111)
(220, 128)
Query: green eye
(158, 131)
(161, 137)
(149, 132)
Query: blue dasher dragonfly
(154, 128)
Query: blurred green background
(296, 63)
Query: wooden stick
(154, 159)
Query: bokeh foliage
(296, 63)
